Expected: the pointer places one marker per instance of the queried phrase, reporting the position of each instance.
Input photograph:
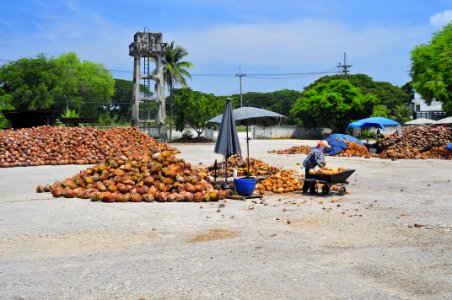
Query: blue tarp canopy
(343, 137)
(337, 146)
(449, 147)
(378, 122)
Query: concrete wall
(276, 132)
(269, 132)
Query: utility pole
(344, 66)
(240, 75)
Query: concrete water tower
(146, 47)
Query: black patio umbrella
(251, 116)
(228, 141)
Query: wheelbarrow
(327, 181)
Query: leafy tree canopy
(121, 100)
(277, 101)
(380, 110)
(333, 104)
(194, 109)
(431, 68)
(87, 86)
(29, 84)
(61, 83)
(386, 93)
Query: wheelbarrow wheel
(342, 190)
(325, 189)
(313, 188)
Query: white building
(433, 111)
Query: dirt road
(389, 237)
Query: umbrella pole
(248, 149)
(226, 176)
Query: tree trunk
(199, 132)
(171, 112)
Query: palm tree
(402, 113)
(175, 72)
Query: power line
(288, 75)
(240, 75)
(214, 75)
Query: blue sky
(259, 37)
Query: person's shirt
(314, 158)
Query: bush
(367, 134)
(187, 134)
(106, 119)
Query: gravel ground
(389, 237)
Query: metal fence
(431, 114)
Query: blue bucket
(245, 186)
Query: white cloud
(292, 43)
(441, 19)
(303, 45)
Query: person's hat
(324, 144)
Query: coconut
(85, 194)
(96, 196)
(189, 197)
(68, 193)
(108, 197)
(161, 196)
(148, 197)
(57, 192)
(172, 197)
(148, 181)
(198, 197)
(135, 197)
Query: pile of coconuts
(418, 142)
(156, 176)
(46, 145)
(271, 179)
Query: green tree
(121, 100)
(333, 104)
(277, 101)
(408, 88)
(5, 104)
(194, 109)
(175, 72)
(58, 83)
(29, 84)
(386, 93)
(87, 87)
(431, 68)
(380, 110)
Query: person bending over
(314, 159)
